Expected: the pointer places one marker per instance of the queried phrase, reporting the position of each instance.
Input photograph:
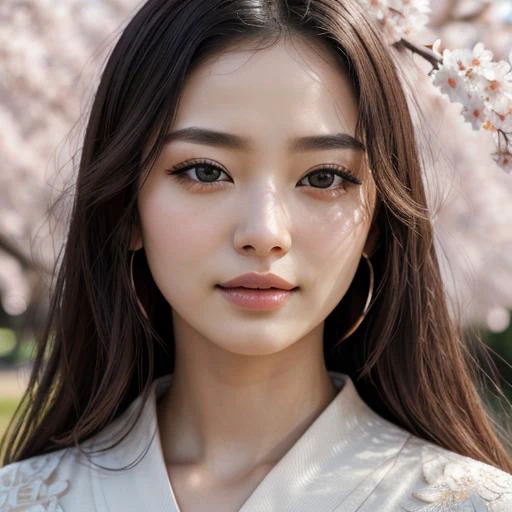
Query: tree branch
(424, 51)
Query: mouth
(254, 289)
(257, 298)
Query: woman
(235, 145)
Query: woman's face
(258, 205)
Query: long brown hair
(98, 353)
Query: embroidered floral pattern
(462, 484)
(25, 485)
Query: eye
(207, 174)
(325, 175)
(206, 171)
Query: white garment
(348, 459)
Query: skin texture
(247, 384)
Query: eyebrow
(229, 140)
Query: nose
(263, 228)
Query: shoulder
(68, 479)
(448, 481)
(40, 481)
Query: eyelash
(178, 171)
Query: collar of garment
(337, 462)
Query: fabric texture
(349, 459)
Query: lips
(256, 298)
(254, 281)
(251, 288)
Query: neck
(231, 414)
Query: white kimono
(348, 459)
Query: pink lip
(257, 299)
(255, 280)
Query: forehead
(295, 86)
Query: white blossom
(484, 88)
(475, 112)
(504, 160)
(399, 18)
(500, 116)
(452, 83)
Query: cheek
(331, 250)
(337, 234)
(176, 235)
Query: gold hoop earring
(134, 290)
(366, 306)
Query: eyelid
(340, 170)
(195, 161)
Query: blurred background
(51, 55)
